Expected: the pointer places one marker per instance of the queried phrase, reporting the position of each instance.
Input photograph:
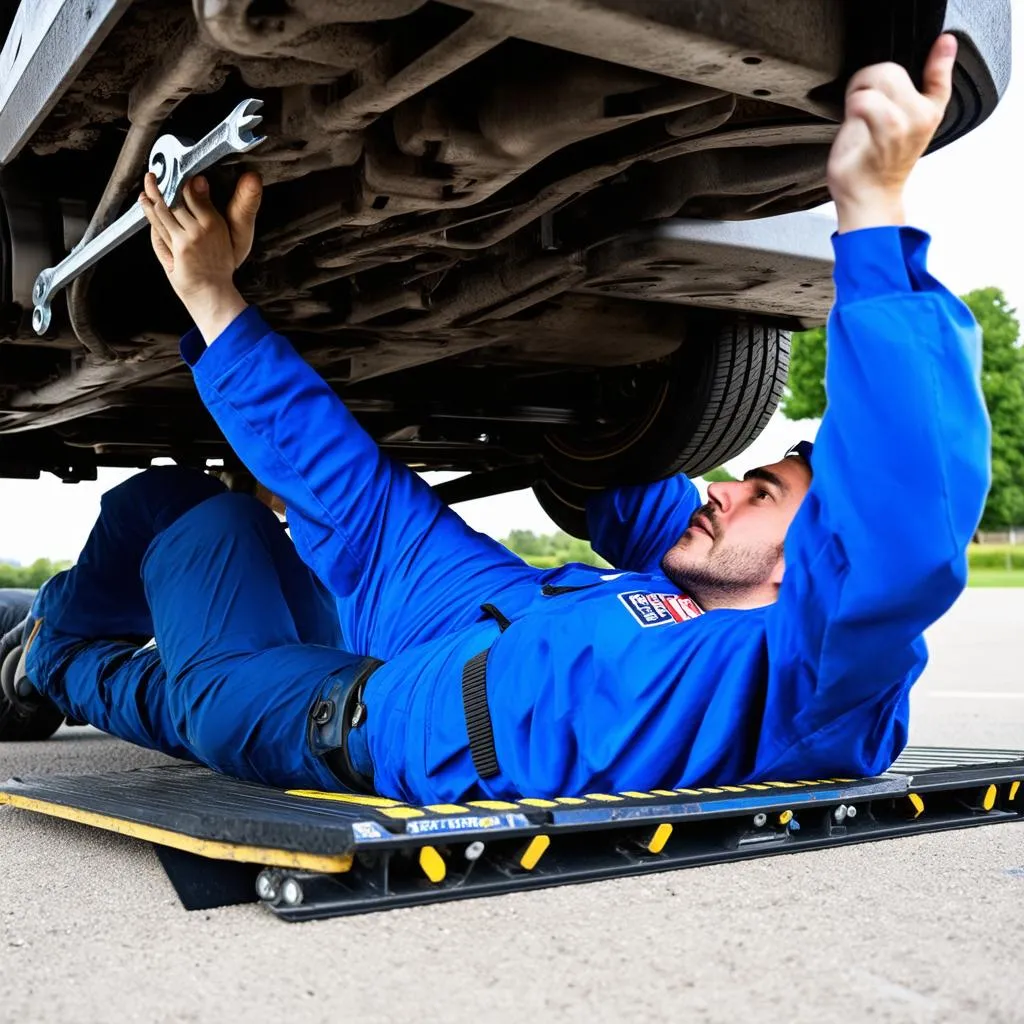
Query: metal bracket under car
(309, 855)
(774, 267)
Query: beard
(724, 576)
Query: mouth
(703, 526)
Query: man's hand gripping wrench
(173, 162)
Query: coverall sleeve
(632, 527)
(877, 551)
(362, 514)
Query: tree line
(29, 576)
(546, 550)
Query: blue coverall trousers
(247, 639)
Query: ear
(778, 572)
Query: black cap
(802, 449)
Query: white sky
(969, 196)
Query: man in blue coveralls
(774, 631)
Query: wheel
(699, 408)
(566, 505)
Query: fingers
(163, 253)
(196, 194)
(245, 203)
(158, 237)
(937, 81)
(159, 217)
(884, 117)
(889, 79)
(193, 242)
(159, 229)
(173, 221)
(892, 79)
(241, 215)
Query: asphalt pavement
(922, 929)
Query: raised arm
(878, 549)
(901, 463)
(354, 510)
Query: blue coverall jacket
(583, 694)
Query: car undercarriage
(527, 239)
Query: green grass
(996, 578)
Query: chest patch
(659, 609)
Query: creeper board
(309, 855)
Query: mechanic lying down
(772, 633)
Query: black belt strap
(478, 716)
(340, 712)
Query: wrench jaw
(243, 119)
(173, 160)
(248, 139)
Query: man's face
(731, 553)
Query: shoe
(25, 714)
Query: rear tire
(565, 504)
(715, 396)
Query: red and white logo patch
(659, 609)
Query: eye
(762, 494)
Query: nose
(722, 494)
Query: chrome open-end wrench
(173, 162)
